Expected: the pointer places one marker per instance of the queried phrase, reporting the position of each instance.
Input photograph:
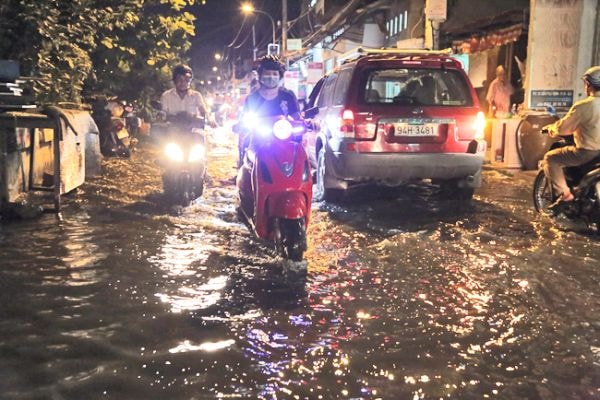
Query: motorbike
(132, 121)
(115, 139)
(584, 182)
(184, 158)
(274, 183)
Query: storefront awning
(477, 26)
(488, 40)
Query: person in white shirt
(583, 122)
(498, 95)
(182, 100)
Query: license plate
(404, 129)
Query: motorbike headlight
(282, 129)
(264, 131)
(197, 153)
(174, 152)
(250, 120)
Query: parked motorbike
(132, 121)
(584, 182)
(275, 183)
(114, 136)
(184, 158)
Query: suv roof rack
(365, 51)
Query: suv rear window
(408, 86)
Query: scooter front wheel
(292, 238)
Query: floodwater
(407, 297)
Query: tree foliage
(80, 47)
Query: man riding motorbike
(583, 122)
(270, 99)
(183, 136)
(182, 101)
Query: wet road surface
(407, 297)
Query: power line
(238, 34)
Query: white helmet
(592, 76)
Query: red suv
(393, 117)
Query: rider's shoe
(561, 204)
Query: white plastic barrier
(503, 149)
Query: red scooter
(275, 183)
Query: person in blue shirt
(271, 99)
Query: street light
(248, 8)
(217, 56)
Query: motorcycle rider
(182, 101)
(270, 99)
(583, 122)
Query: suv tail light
(343, 125)
(347, 123)
(350, 127)
(479, 125)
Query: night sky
(218, 22)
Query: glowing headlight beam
(174, 152)
(282, 129)
(250, 120)
(197, 153)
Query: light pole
(248, 8)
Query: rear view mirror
(311, 112)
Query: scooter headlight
(197, 153)
(282, 129)
(250, 120)
(174, 152)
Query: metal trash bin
(27, 141)
(531, 143)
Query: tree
(137, 51)
(75, 47)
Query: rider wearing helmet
(268, 100)
(583, 122)
(182, 99)
(271, 99)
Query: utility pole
(435, 13)
(284, 23)
(253, 43)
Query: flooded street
(407, 297)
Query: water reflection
(404, 299)
(182, 258)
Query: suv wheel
(320, 193)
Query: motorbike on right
(584, 182)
